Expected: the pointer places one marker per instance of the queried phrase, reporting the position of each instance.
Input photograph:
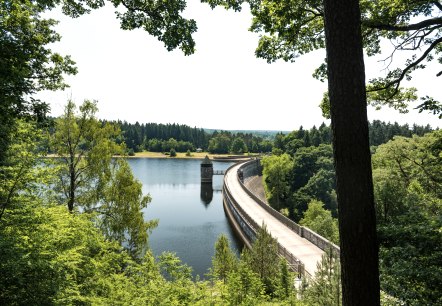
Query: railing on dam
(252, 168)
(249, 226)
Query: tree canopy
(290, 29)
(27, 64)
(408, 197)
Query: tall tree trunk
(357, 223)
(71, 198)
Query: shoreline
(180, 155)
(195, 155)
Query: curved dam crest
(247, 211)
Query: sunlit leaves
(122, 204)
(325, 289)
(276, 170)
(431, 105)
(408, 202)
(23, 175)
(292, 28)
(224, 260)
(320, 220)
(90, 178)
(161, 19)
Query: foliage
(91, 179)
(51, 256)
(408, 201)
(219, 144)
(292, 182)
(381, 132)
(153, 136)
(172, 152)
(262, 259)
(224, 261)
(276, 170)
(325, 289)
(293, 28)
(22, 174)
(27, 65)
(162, 137)
(121, 209)
(85, 149)
(312, 178)
(238, 146)
(297, 139)
(244, 287)
(320, 220)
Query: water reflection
(185, 226)
(206, 193)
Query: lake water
(190, 217)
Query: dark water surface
(190, 220)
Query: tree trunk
(357, 223)
(71, 198)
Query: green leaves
(224, 260)
(27, 65)
(292, 28)
(431, 105)
(325, 289)
(320, 220)
(161, 19)
(276, 170)
(90, 179)
(121, 209)
(408, 203)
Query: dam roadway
(300, 248)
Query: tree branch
(438, 5)
(411, 39)
(410, 27)
(316, 14)
(152, 14)
(398, 80)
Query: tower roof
(206, 161)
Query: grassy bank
(195, 155)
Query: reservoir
(190, 217)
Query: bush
(172, 153)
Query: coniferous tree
(224, 261)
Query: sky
(222, 86)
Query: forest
(164, 137)
(300, 182)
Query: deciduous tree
(84, 149)
(321, 221)
(354, 185)
(91, 180)
(276, 171)
(238, 146)
(408, 201)
(27, 64)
